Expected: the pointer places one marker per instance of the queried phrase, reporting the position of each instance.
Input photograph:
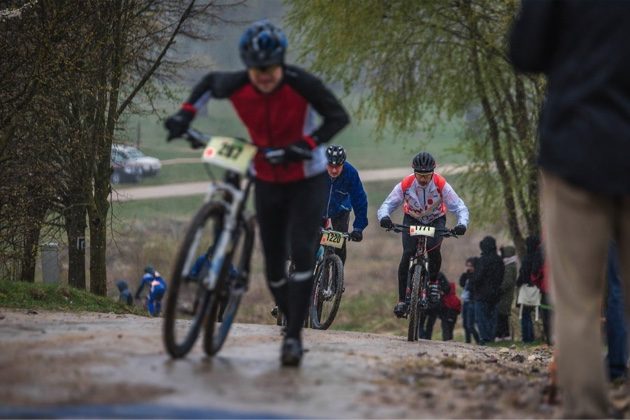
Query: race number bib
(332, 238)
(422, 231)
(229, 153)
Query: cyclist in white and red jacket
(425, 197)
(278, 104)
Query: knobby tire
(227, 299)
(414, 307)
(175, 348)
(331, 265)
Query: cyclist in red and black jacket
(277, 103)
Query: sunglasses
(423, 173)
(265, 69)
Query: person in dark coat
(532, 244)
(451, 307)
(437, 289)
(582, 49)
(504, 309)
(468, 306)
(125, 295)
(486, 284)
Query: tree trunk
(75, 230)
(98, 242)
(29, 253)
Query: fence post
(50, 262)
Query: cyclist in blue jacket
(345, 194)
(157, 289)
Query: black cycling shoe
(400, 309)
(274, 312)
(291, 353)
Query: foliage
(70, 71)
(417, 62)
(14, 294)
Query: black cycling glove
(300, 150)
(178, 123)
(295, 152)
(459, 230)
(386, 223)
(356, 236)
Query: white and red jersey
(425, 203)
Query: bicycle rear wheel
(414, 307)
(327, 291)
(231, 286)
(188, 299)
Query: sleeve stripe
(189, 108)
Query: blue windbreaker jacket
(346, 193)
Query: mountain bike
(418, 275)
(327, 284)
(211, 271)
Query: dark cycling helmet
(263, 45)
(423, 162)
(336, 155)
(149, 269)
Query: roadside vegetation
(34, 296)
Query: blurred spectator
(468, 307)
(451, 307)
(157, 288)
(532, 244)
(582, 48)
(124, 292)
(508, 253)
(437, 289)
(616, 330)
(486, 283)
(540, 279)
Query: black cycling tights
(289, 218)
(409, 249)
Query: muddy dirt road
(50, 361)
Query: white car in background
(130, 156)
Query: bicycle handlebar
(443, 232)
(344, 234)
(198, 140)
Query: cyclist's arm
(358, 199)
(391, 203)
(218, 85)
(322, 100)
(140, 288)
(455, 205)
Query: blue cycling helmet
(263, 45)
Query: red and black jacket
(279, 118)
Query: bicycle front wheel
(327, 291)
(231, 286)
(188, 299)
(414, 307)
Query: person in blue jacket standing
(157, 289)
(345, 194)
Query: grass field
(17, 294)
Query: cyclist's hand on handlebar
(275, 156)
(387, 223)
(295, 152)
(356, 236)
(178, 123)
(459, 230)
(300, 150)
